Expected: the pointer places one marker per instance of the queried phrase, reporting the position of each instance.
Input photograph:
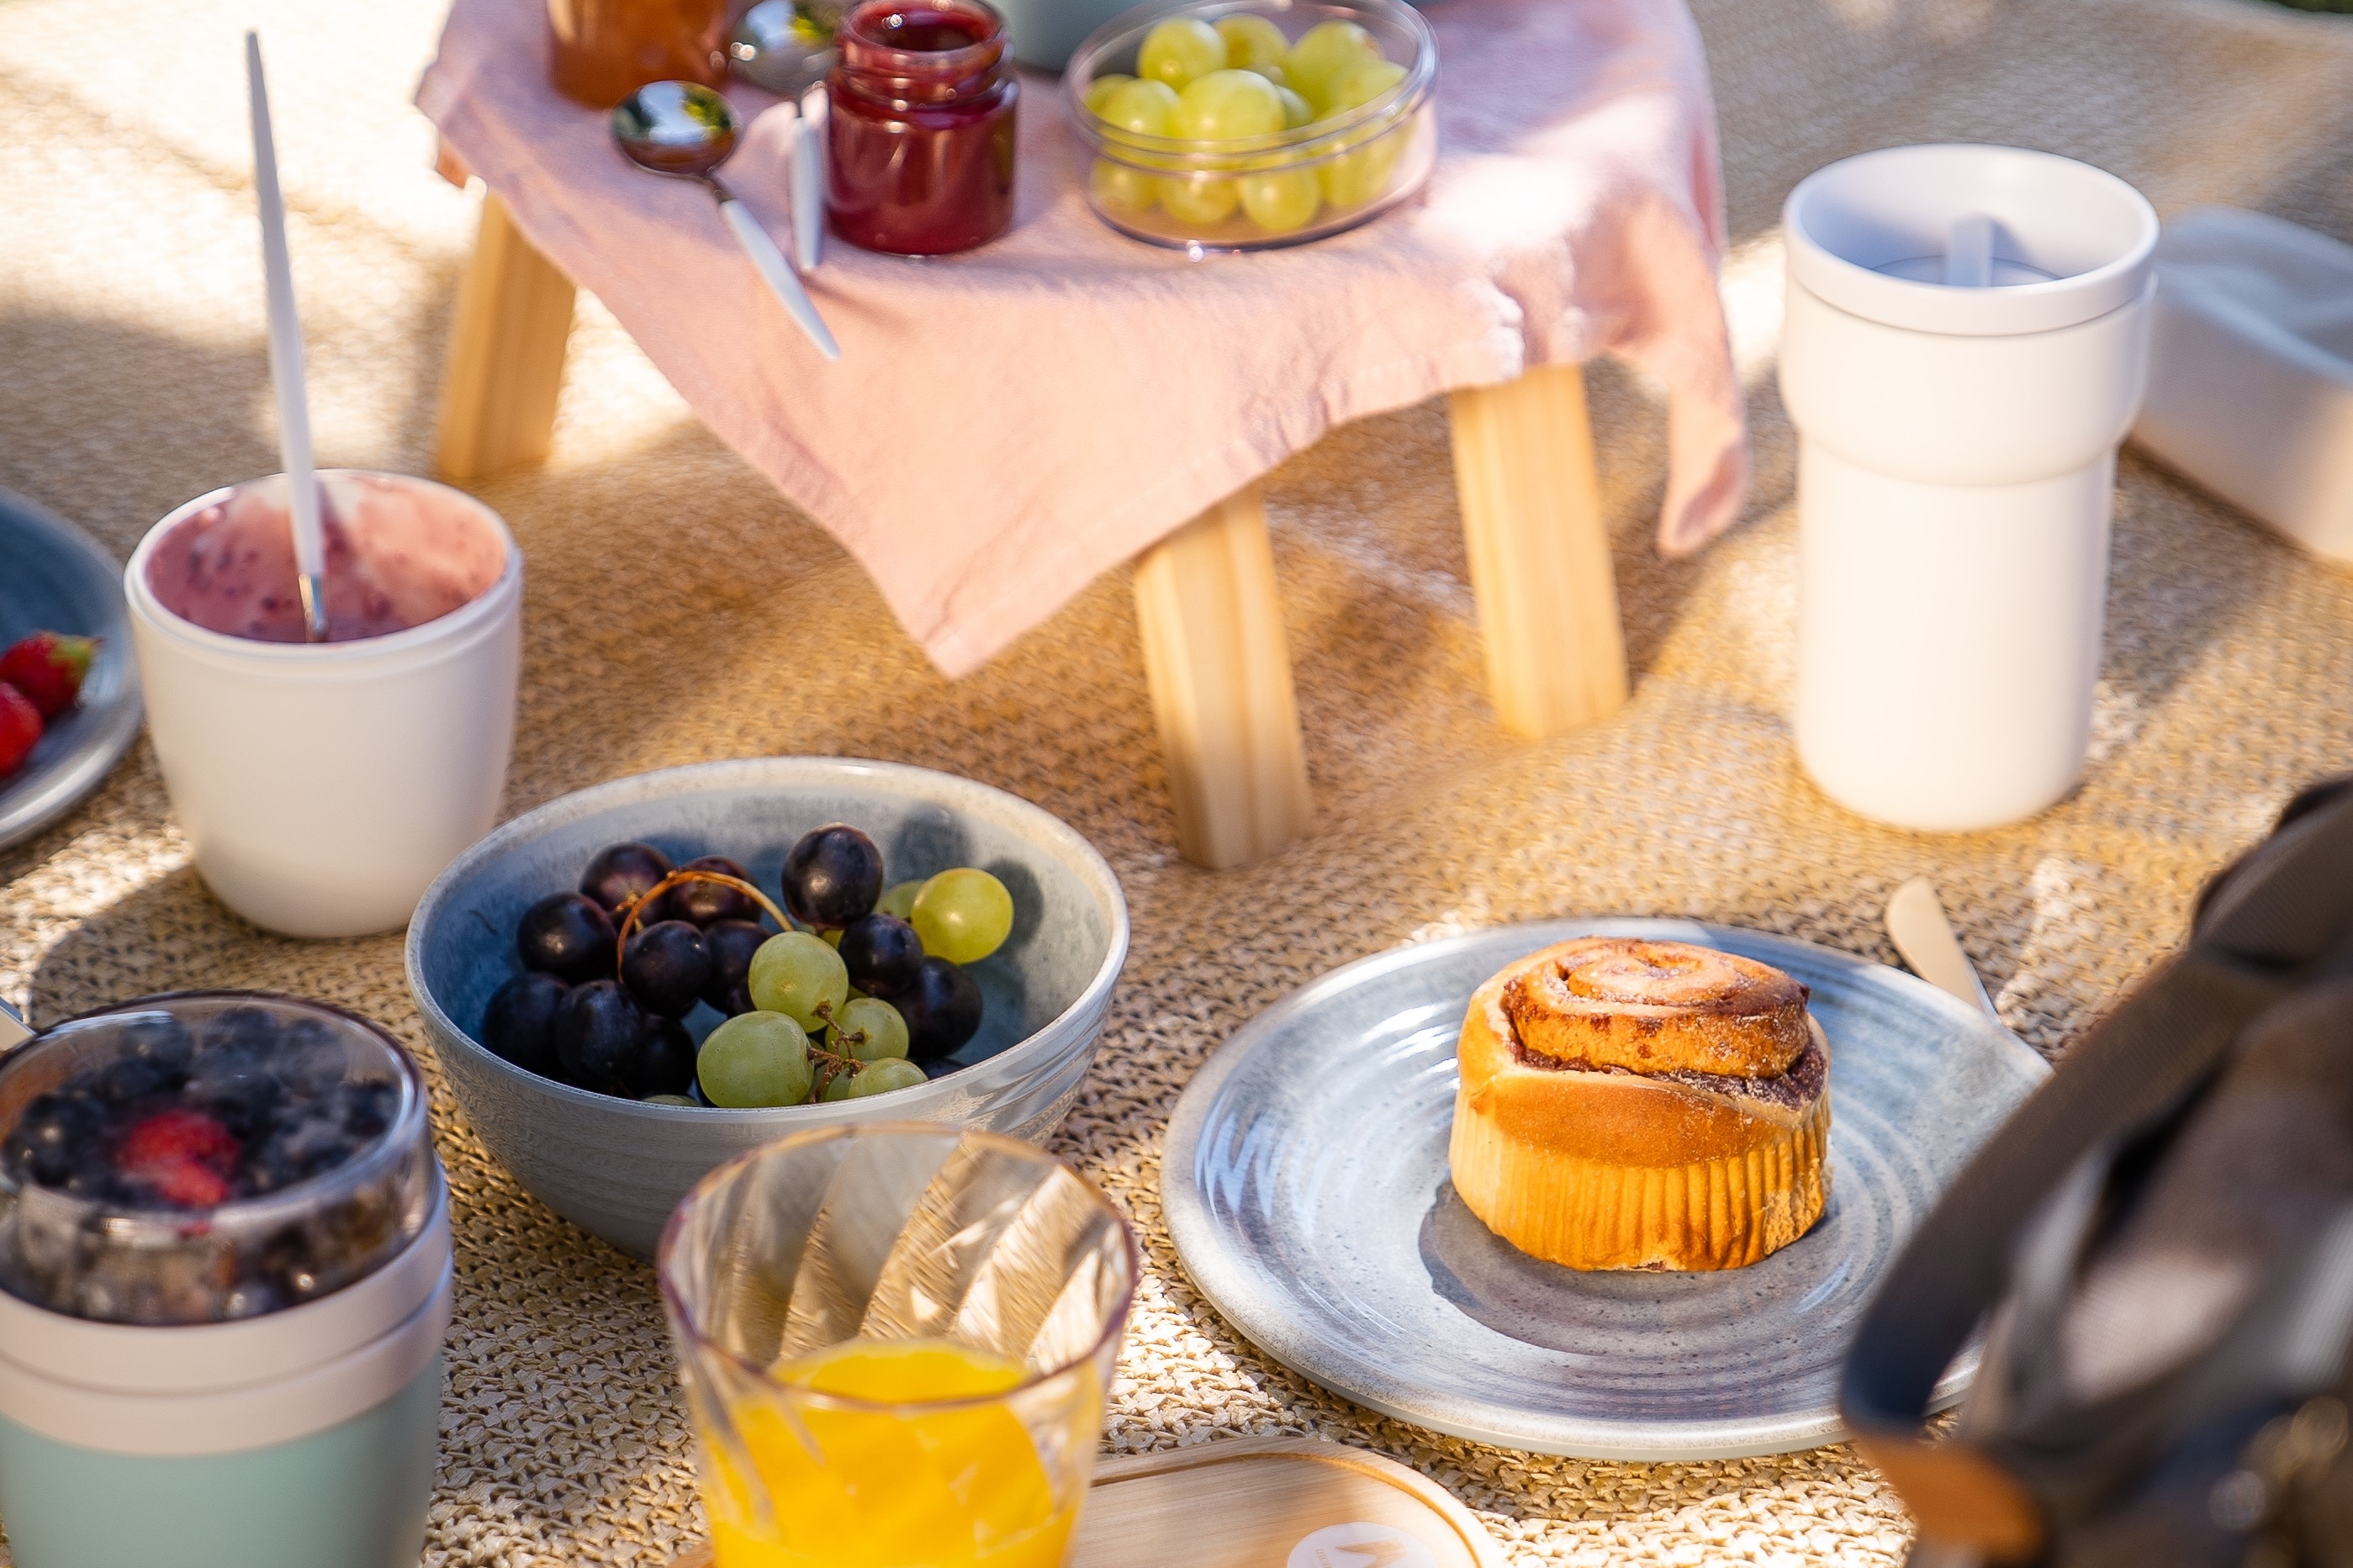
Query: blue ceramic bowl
(617, 1167)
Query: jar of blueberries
(225, 1278)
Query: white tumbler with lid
(1967, 344)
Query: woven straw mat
(679, 611)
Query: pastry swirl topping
(1656, 1007)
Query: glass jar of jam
(605, 50)
(920, 136)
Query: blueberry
(832, 876)
(883, 953)
(665, 1059)
(246, 1029)
(596, 1034)
(731, 945)
(941, 1009)
(519, 1025)
(52, 1136)
(160, 1039)
(666, 967)
(298, 1148)
(311, 1057)
(706, 903)
(129, 1079)
(365, 1110)
(568, 936)
(620, 872)
(234, 1081)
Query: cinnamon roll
(1629, 1104)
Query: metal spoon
(685, 130)
(783, 48)
(1915, 919)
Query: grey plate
(54, 577)
(1305, 1183)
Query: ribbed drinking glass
(896, 1340)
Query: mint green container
(353, 1496)
(252, 1384)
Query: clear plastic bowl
(1363, 161)
(206, 1156)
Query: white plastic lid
(1870, 236)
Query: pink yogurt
(398, 555)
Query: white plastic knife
(1915, 919)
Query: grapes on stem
(832, 876)
(942, 1010)
(798, 975)
(567, 935)
(870, 1030)
(965, 914)
(619, 872)
(755, 1060)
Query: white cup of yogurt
(323, 786)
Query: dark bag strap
(2269, 924)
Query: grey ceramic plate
(54, 577)
(1305, 1183)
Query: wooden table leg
(1539, 552)
(1220, 668)
(506, 353)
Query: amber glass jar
(603, 50)
(921, 135)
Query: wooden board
(1267, 1502)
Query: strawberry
(20, 728)
(184, 1156)
(49, 669)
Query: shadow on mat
(173, 935)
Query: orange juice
(910, 1485)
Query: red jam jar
(921, 134)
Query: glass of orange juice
(895, 1338)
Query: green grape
(899, 899)
(1123, 189)
(754, 1058)
(1281, 202)
(1199, 199)
(1253, 41)
(870, 1031)
(1272, 70)
(882, 1077)
(831, 935)
(1361, 83)
(1099, 90)
(1296, 110)
(1179, 49)
(665, 1099)
(798, 975)
(1323, 52)
(1356, 177)
(1228, 106)
(1140, 108)
(965, 914)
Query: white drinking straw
(809, 179)
(286, 360)
(1969, 252)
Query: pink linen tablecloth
(1005, 425)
